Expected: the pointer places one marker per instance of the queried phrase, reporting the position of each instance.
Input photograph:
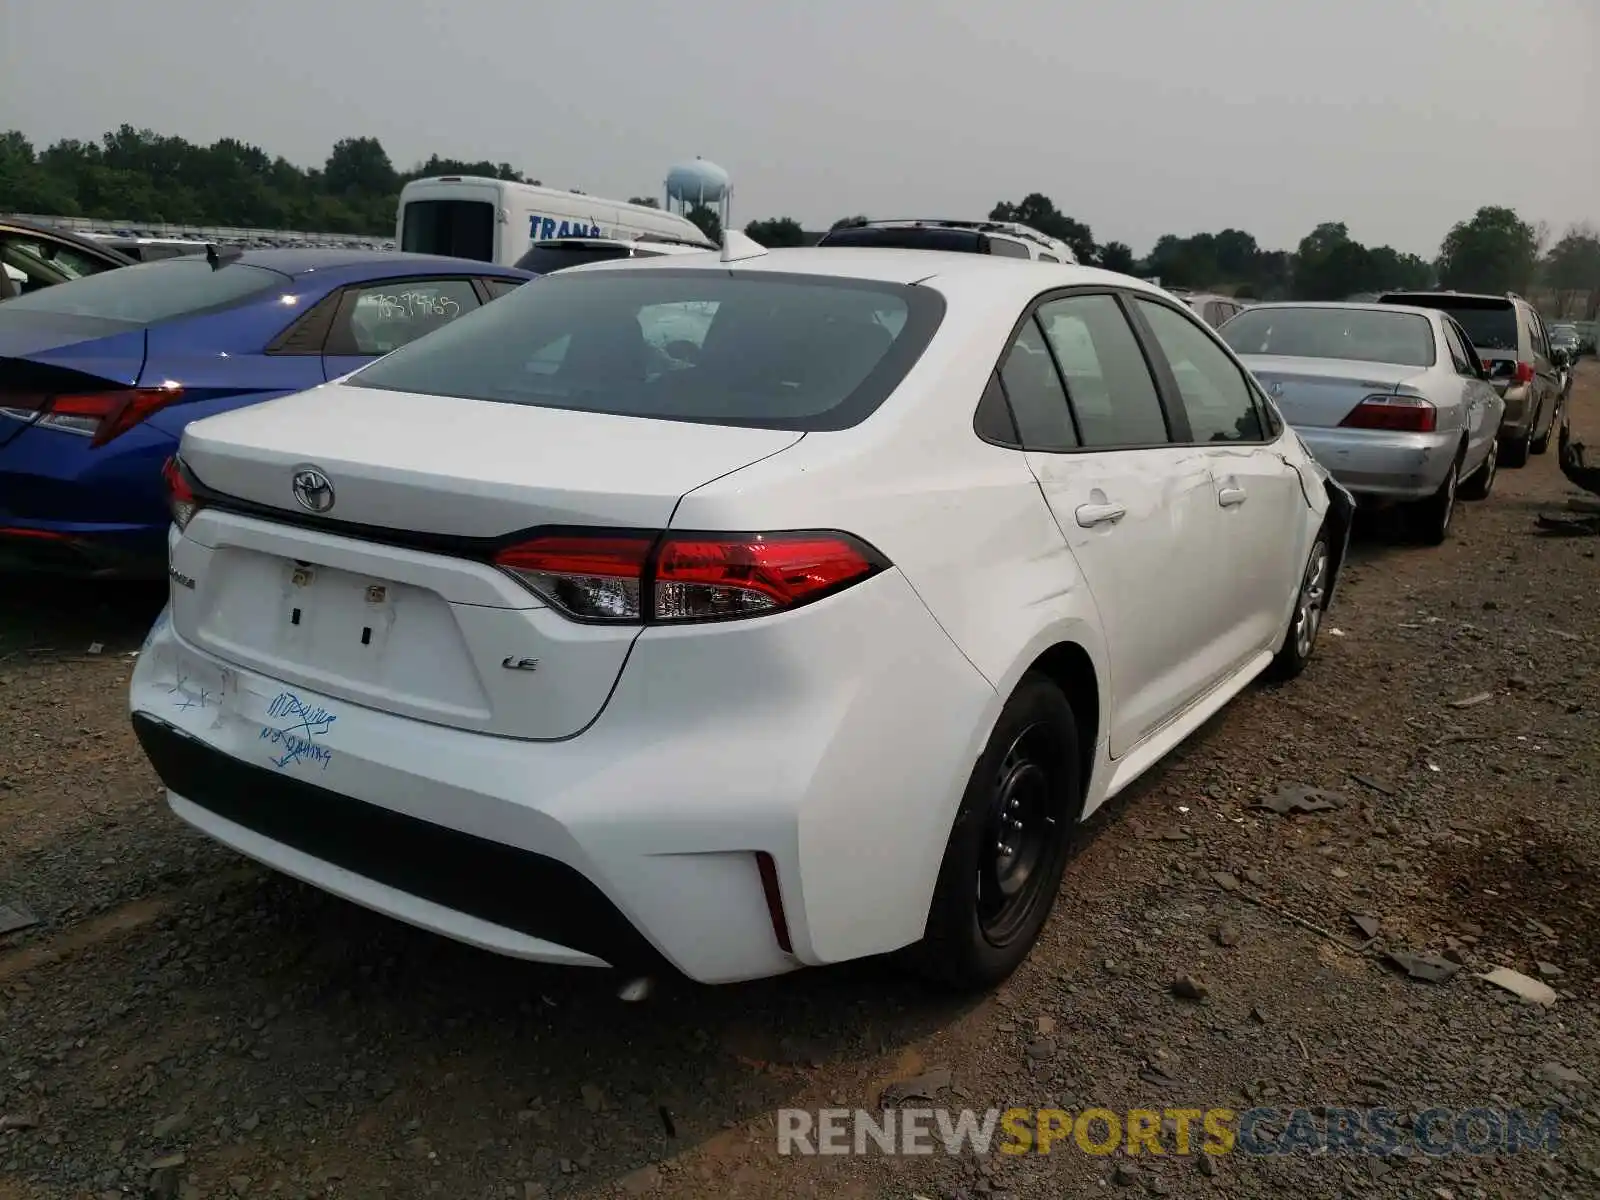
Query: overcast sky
(1139, 117)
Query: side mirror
(1560, 357)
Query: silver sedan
(1393, 401)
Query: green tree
(1038, 211)
(1496, 251)
(778, 231)
(1573, 267)
(646, 201)
(1117, 256)
(360, 166)
(706, 220)
(1330, 265)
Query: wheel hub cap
(1308, 612)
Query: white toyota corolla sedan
(734, 615)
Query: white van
(495, 221)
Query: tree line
(145, 177)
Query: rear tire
(1008, 848)
(1481, 482)
(1310, 606)
(1431, 518)
(1538, 443)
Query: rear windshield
(906, 238)
(1491, 323)
(458, 228)
(552, 256)
(1360, 335)
(153, 291)
(762, 349)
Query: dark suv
(1511, 339)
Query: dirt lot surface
(180, 1022)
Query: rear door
(1480, 405)
(1547, 378)
(1138, 511)
(377, 317)
(1257, 494)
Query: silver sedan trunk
(1391, 400)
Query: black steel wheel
(1008, 847)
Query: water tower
(699, 182)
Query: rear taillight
(1523, 374)
(180, 493)
(675, 577)
(99, 416)
(1397, 414)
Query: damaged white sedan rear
(731, 616)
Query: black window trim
(1176, 420)
(339, 341)
(293, 340)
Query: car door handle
(1230, 497)
(1090, 515)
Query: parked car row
(731, 613)
(604, 619)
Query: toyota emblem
(312, 491)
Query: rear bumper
(1374, 463)
(1517, 419)
(836, 740)
(68, 507)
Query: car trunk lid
(43, 355)
(1319, 393)
(389, 598)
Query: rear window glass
(905, 238)
(552, 256)
(1491, 324)
(154, 291)
(760, 349)
(1359, 335)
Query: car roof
(1435, 294)
(304, 260)
(892, 265)
(1358, 305)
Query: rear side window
(1216, 398)
(385, 316)
(1038, 401)
(1460, 354)
(1113, 396)
(501, 287)
(761, 349)
(154, 291)
(1006, 248)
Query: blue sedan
(98, 377)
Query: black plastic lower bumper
(530, 893)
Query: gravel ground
(182, 1023)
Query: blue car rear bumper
(71, 508)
